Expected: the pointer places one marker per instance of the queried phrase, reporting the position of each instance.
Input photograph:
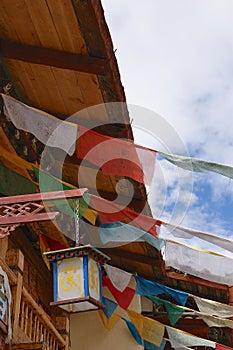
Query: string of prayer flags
(200, 263)
(149, 329)
(149, 288)
(213, 308)
(147, 345)
(174, 312)
(112, 212)
(180, 338)
(46, 128)
(121, 232)
(124, 298)
(115, 156)
(197, 165)
(119, 278)
(186, 233)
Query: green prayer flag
(197, 165)
(50, 183)
(174, 312)
(13, 184)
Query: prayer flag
(110, 307)
(123, 298)
(111, 212)
(116, 157)
(12, 183)
(174, 311)
(119, 278)
(213, 308)
(149, 329)
(49, 130)
(198, 262)
(180, 338)
(186, 233)
(148, 288)
(109, 323)
(147, 345)
(121, 232)
(198, 165)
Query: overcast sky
(176, 58)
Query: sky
(176, 59)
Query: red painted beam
(54, 58)
(45, 196)
(23, 219)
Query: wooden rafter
(53, 58)
(124, 254)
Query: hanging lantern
(77, 278)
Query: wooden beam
(22, 219)
(53, 58)
(124, 254)
(45, 196)
(196, 280)
(27, 346)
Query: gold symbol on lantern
(70, 278)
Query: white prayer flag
(46, 128)
(119, 278)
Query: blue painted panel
(85, 275)
(55, 281)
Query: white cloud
(176, 58)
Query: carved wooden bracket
(16, 210)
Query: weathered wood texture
(52, 89)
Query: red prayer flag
(222, 347)
(115, 156)
(111, 212)
(51, 244)
(123, 298)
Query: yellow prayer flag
(149, 330)
(90, 215)
(109, 323)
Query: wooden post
(63, 326)
(3, 247)
(15, 259)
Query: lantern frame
(90, 256)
